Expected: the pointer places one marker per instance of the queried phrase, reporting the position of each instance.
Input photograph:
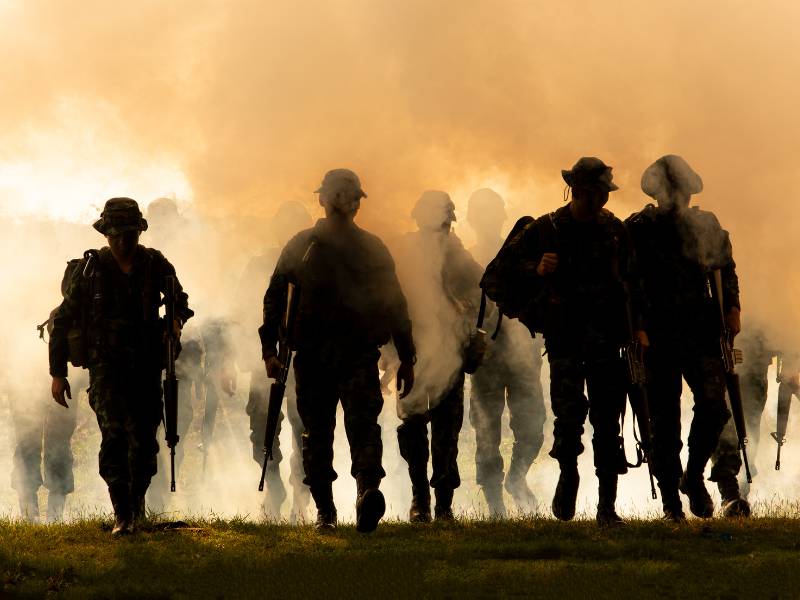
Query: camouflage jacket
(349, 294)
(675, 254)
(118, 312)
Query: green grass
(527, 557)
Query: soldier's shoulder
(646, 215)
(703, 217)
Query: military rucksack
(508, 282)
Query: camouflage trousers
(257, 411)
(603, 375)
(323, 379)
(495, 385)
(705, 376)
(42, 453)
(446, 418)
(727, 460)
(128, 407)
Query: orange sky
(236, 106)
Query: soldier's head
(162, 211)
(590, 181)
(434, 211)
(486, 213)
(672, 182)
(121, 222)
(340, 193)
(290, 218)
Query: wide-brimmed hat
(120, 215)
(341, 180)
(590, 172)
(668, 173)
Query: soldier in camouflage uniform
(575, 263)
(116, 297)
(290, 218)
(677, 249)
(350, 304)
(441, 280)
(509, 375)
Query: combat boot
(123, 515)
(55, 506)
(671, 502)
(138, 504)
(566, 491)
(494, 498)
(29, 506)
(444, 504)
(370, 507)
(326, 510)
(420, 511)
(607, 497)
(733, 505)
(700, 502)
(517, 485)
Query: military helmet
(120, 215)
(341, 180)
(668, 173)
(485, 202)
(590, 173)
(434, 209)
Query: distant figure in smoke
(574, 265)
(510, 374)
(441, 280)
(727, 460)
(677, 249)
(116, 296)
(42, 455)
(350, 304)
(290, 218)
(164, 224)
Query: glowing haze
(238, 106)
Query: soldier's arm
(275, 302)
(730, 280)
(182, 310)
(399, 321)
(631, 276)
(68, 312)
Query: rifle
(170, 380)
(730, 358)
(278, 388)
(784, 404)
(633, 353)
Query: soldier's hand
(548, 263)
(274, 367)
(734, 321)
(59, 388)
(405, 378)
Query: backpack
(507, 281)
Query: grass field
(526, 557)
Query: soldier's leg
(26, 474)
(300, 493)
(705, 376)
(108, 403)
(317, 398)
(144, 411)
(570, 407)
(486, 405)
(664, 393)
(58, 459)
(446, 421)
(607, 383)
(362, 401)
(412, 439)
(526, 407)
